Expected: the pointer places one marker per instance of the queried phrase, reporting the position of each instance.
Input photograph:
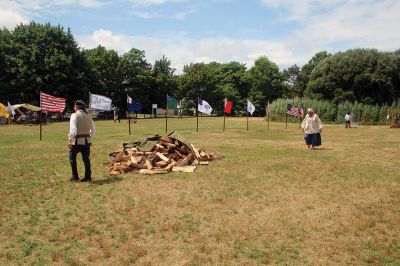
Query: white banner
(250, 107)
(100, 102)
(204, 107)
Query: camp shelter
(3, 110)
(26, 106)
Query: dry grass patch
(270, 201)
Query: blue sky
(288, 32)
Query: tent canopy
(26, 106)
(3, 110)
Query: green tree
(266, 83)
(136, 78)
(164, 80)
(364, 75)
(293, 81)
(200, 80)
(37, 57)
(104, 75)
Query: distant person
(347, 119)
(116, 115)
(179, 113)
(312, 127)
(81, 131)
(28, 117)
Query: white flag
(100, 102)
(204, 107)
(10, 109)
(250, 107)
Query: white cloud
(335, 24)
(11, 14)
(183, 50)
(145, 15)
(154, 2)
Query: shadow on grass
(106, 181)
(323, 149)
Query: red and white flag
(267, 110)
(228, 106)
(292, 110)
(52, 104)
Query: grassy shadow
(106, 181)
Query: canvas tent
(3, 114)
(3, 110)
(26, 106)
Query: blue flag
(133, 107)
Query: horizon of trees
(40, 57)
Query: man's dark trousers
(85, 151)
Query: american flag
(292, 110)
(52, 104)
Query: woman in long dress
(312, 127)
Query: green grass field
(269, 201)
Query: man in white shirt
(347, 118)
(81, 131)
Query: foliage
(364, 75)
(331, 112)
(266, 83)
(36, 57)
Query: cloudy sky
(287, 31)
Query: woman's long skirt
(313, 139)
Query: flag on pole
(204, 107)
(52, 104)
(133, 106)
(227, 106)
(10, 109)
(292, 110)
(100, 102)
(250, 107)
(172, 103)
(267, 109)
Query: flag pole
(224, 120)
(247, 121)
(129, 118)
(197, 114)
(40, 116)
(129, 122)
(286, 121)
(166, 117)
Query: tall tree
(293, 81)
(41, 57)
(164, 80)
(104, 73)
(266, 83)
(137, 78)
(200, 80)
(307, 69)
(364, 75)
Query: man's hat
(80, 103)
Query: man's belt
(83, 136)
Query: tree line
(41, 57)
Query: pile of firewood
(169, 154)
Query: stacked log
(168, 155)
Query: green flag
(172, 103)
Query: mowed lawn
(269, 201)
